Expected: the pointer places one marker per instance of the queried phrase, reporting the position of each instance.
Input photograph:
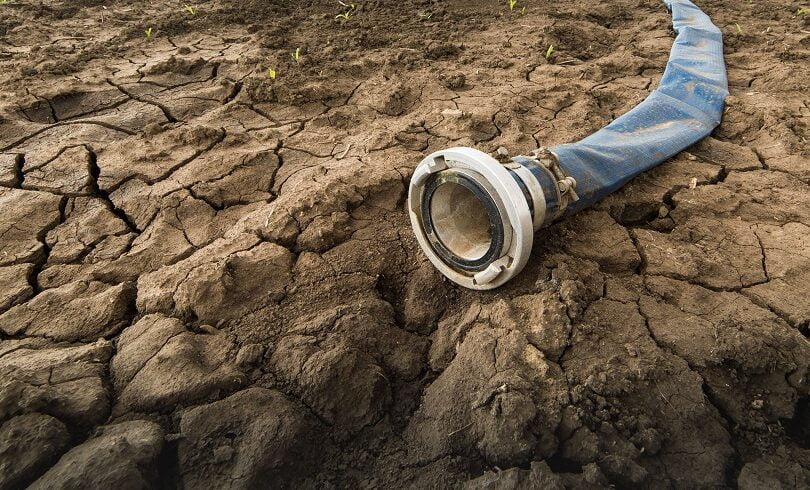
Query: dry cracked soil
(208, 278)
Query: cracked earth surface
(208, 277)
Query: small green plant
(296, 56)
(523, 11)
(425, 15)
(801, 11)
(3, 2)
(348, 13)
(272, 74)
(148, 33)
(190, 9)
(512, 5)
(549, 51)
(739, 29)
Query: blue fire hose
(685, 108)
(475, 216)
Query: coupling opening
(473, 216)
(462, 219)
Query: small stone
(568, 290)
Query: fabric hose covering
(685, 108)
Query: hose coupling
(475, 216)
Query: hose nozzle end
(475, 217)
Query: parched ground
(208, 278)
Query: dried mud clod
(208, 277)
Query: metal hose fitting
(475, 217)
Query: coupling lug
(565, 183)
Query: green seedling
(3, 2)
(523, 11)
(296, 56)
(190, 9)
(801, 11)
(739, 29)
(549, 51)
(426, 15)
(512, 5)
(272, 74)
(148, 33)
(348, 13)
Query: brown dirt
(208, 278)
